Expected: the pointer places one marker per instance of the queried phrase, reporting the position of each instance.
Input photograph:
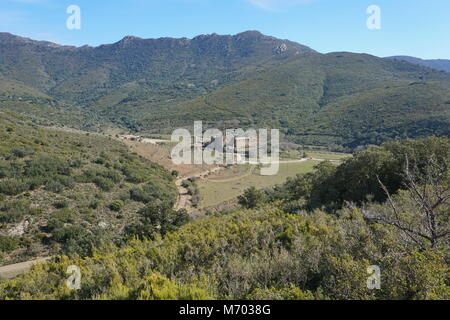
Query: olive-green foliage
(14, 211)
(116, 205)
(151, 191)
(46, 173)
(12, 187)
(280, 249)
(251, 198)
(258, 254)
(8, 243)
(158, 218)
(342, 98)
(358, 178)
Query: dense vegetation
(246, 80)
(66, 192)
(281, 246)
(85, 200)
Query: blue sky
(408, 27)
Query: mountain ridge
(154, 85)
(438, 64)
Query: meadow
(228, 184)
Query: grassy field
(327, 155)
(230, 183)
(227, 184)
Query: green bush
(5, 169)
(61, 204)
(12, 187)
(22, 152)
(8, 244)
(116, 205)
(47, 166)
(104, 179)
(14, 211)
(59, 218)
(158, 217)
(67, 182)
(150, 192)
(103, 183)
(135, 174)
(54, 186)
(251, 198)
(94, 204)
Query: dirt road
(13, 270)
(184, 199)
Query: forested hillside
(311, 238)
(67, 192)
(245, 80)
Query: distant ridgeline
(245, 80)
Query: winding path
(184, 199)
(13, 270)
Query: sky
(419, 28)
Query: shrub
(5, 169)
(8, 244)
(105, 180)
(54, 186)
(251, 198)
(116, 205)
(22, 152)
(135, 174)
(59, 218)
(68, 182)
(137, 194)
(61, 204)
(150, 192)
(12, 187)
(36, 182)
(14, 211)
(47, 166)
(158, 217)
(94, 204)
(103, 183)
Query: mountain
(246, 80)
(438, 64)
(341, 98)
(82, 75)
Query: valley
(87, 179)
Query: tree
(422, 211)
(251, 198)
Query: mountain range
(438, 64)
(244, 80)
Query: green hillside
(65, 192)
(281, 245)
(246, 80)
(320, 99)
